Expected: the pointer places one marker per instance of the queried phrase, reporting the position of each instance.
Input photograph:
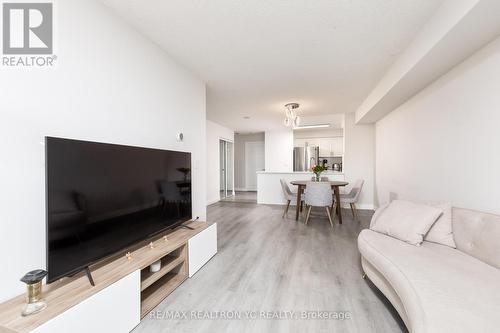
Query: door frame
(225, 170)
(248, 143)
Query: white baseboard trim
(211, 202)
(245, 190)
(358, 206)
(361, 206)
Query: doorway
(226, 153)
(254, 161)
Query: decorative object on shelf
(165, 238)
(155, 267)
(185, 171)
(34, 301)
(318, 169)
(291, 117)
(128, 255)
(151, 245)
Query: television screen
(103, 198)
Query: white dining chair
(289, 195)
(352, 197)
(318, 194)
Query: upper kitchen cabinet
(331, 147)
(330, 142)
(302, 142)
(328, 147)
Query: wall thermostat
(180, 137)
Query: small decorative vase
(155, 267)
(318, 177)
(34, 301)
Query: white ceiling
(255, 56)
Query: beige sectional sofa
(436, 288)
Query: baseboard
(358, 206)
(211, 202)
(361, 206)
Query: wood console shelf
(154, 287)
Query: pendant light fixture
(291, 117)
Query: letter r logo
(27, 28)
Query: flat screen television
(104, 198)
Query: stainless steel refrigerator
(305, 157)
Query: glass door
(226, 153)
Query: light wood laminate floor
(242, 196)
(267, 263)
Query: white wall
(279, 150)
(215, 132)
(318, 133)
(391, 88)
(359, 158)
(444, 143)
(239, 157)
(110, 85)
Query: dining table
(302, 184)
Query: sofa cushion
(442, 289)
(441, 231)
(407, 221)
(377, 214)
(477, 234)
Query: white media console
(125, 290)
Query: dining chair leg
(286, 208)
(352, 211)
(329, 215)
(332, 213)
(333, 210)
(356, 211)
(308, 213)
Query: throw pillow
(406, 221)
(442, 232)
(377, 214)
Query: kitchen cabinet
(310, 142)
(328, 147)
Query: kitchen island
(269, 188)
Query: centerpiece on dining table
(318, 169)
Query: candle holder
(34, 301)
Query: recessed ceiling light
(312, 126)
(246, 117)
